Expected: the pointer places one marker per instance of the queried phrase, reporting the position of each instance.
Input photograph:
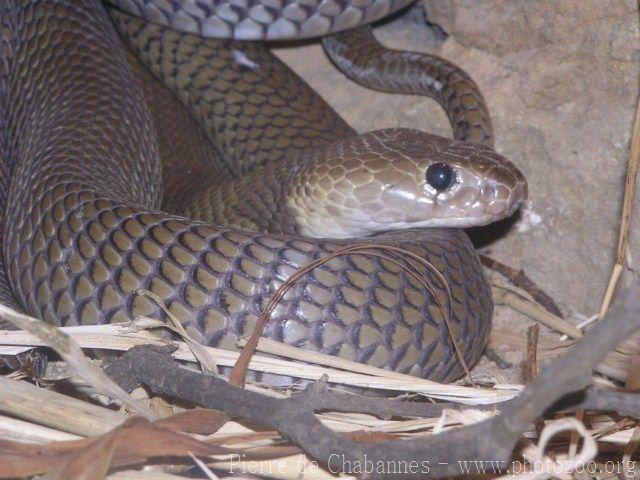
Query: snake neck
(310, 195)
(251, 202)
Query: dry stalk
(52, 409)
(294, 417)
(69, 350)
(627, 205)
(121, 337)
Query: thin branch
(522, 281)
(295, 419)
(71, 352)
(627, 206)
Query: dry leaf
(198, 420)
(134, 442)
(91, 462)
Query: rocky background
(561, 82)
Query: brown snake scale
(261, 19)
(83, 230)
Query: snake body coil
(83, 230)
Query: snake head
(399, 178)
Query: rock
(561, 81)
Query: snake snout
(504, 189)
(486, 187)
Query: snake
(147, 145)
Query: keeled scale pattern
(82, 234)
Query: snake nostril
(440, 176)
(489, 190)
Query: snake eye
(440, 176)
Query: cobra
(97, 149)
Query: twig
(603, 400)
(273, 347)
(627, 205)
(575, 436)
(24, 431)
(531, 364)
(492, 355)
(69, 350)
(119, 337)
(531, 370)
(294, 417)
(521, 280)
(45, 407)
(206, 360)
(536, 312)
